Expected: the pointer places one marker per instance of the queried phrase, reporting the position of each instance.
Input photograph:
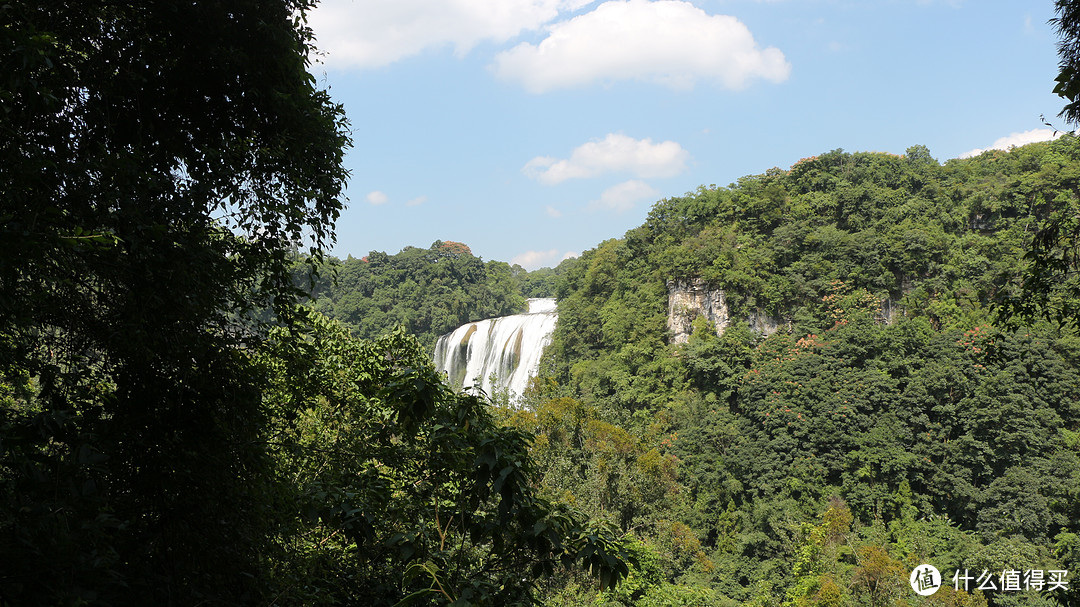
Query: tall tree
(1067, 23)
(404, 490)
(1051, 283)
(159, 162)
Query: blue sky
(535, 129)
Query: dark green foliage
(155, 179)
(1048, 190)
(544, 281)
(405, 490)
(890, 386)
(1067, 23)
(429, 292)
(883, 392)
(174, 428)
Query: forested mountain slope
(892, 412)
(429, 292)
(893, 418)
(177, 426)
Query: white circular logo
(925, 580)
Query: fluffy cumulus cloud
(613, 154)
(669, 42)
(623, 196)
(531, 260)
(1016, 140)
(377, 197)
(373, 33)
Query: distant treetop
(458, 248)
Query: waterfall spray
(508, 348)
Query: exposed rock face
(763, 323)
(691, 298)
(890, 311)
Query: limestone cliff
(689, 298)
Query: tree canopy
(870, 406)
(175, 427)
(180, 425)
(1052, 286)
(1067, 24)
(429, 292)
(160, 163)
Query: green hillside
(790, 391)
(428, 292)
(889, 416)
(894, 381)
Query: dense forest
(429, 292)
(886, 391)
(177, 426)
(897, 411)
(199, 407)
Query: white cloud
(373, 33)
(1016, 140)
(531, 260)
(377, 197)
(622, 196)
(419, 200)
(669, 42)
(552, 212)
(614, 153)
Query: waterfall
(508, 347)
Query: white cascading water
(508, 347)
